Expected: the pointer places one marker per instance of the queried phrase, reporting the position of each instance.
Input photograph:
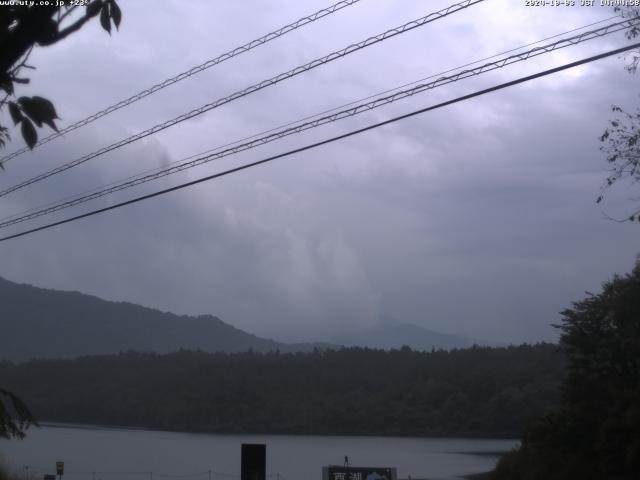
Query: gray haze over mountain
(42, 323)
(45, 323)
(390, 333)
(477, 219)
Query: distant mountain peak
(387, 321)
(44, 323)
(391, 333)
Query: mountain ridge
(45, 323)
(390, 333)
(40, 322)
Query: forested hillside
(594, 433)
(471, 392)
(43, 323)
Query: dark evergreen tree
(476, 392)
(15, 416)
(595, 434)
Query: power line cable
(273, 129)
(254, 88)
(326, 141)
(186, 74)
(138, 180)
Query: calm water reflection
(124, 454)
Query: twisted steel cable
(192, 71)
(273, 129)
(252, 89)
(327, 141)
(363, 107)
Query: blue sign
(335, 472)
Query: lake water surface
(100, 453)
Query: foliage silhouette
(24, 27)
(621, 139)
(475, 392)
(595, 433)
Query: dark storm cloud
(478, 218)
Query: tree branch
(66, 14)
(66, 31)
(24, 36)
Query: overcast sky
(478, 218)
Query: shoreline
(93, 426)
(479, 476)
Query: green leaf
(94, 8)
(40, 110)
(16, 114)
(6, 84)
(116, 14)
(29, 133)
(51, 124)
(105, 21)
(30, 109)
(46, 107)
(47, 110)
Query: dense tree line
(595, 432)
(470, 392)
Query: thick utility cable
(331, 110)
(288, 124)
(281, 126)
(192, 71)
(327, 141)
(598, 33)
(254, 88)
